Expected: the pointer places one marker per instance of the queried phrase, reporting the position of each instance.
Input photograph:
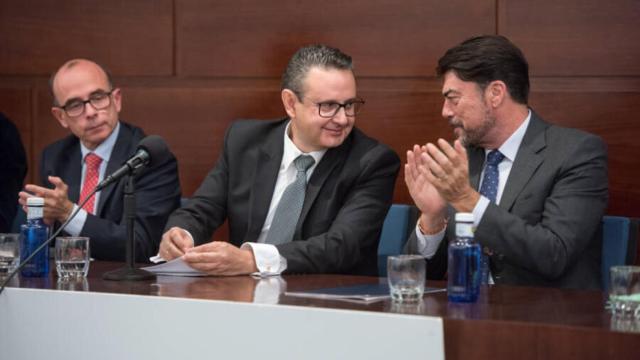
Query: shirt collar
(104, 149)
(291, 151)
(510, 147)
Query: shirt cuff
(479, 209)
(74, 227)
(268, 259)
(428, 244)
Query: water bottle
(463, 283)
(33, 234)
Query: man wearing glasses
(305, 194)
(86, 103)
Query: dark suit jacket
(157, 195)
(13, 169)
(346, 202)
(546, 230)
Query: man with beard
(537, 191)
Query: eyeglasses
(99, 100)
(329, 109)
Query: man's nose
(89, 109)
(446, 111)
(341, 116)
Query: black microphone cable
(46, 243)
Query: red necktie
(92, 162)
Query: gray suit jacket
(346, 201)
(546, 230)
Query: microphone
(151, 150)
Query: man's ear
(117, 98)
(289, 100)
(496, 93)
(58, 113)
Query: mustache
(453, 122)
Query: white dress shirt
(104, 152)
(428, 244)
(268, 258)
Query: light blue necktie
(489, 189)
(288, 211)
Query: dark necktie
(288, 211)
(489, 189)
(92, 163)
(491, 176)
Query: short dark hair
(312, 56)
(487, 58)
(69, 64)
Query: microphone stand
(129, 272)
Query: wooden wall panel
(386, 38)
(574, 37)
(613, 116)
(401, 118)
(46, 128)
(129, 37)
(15, 103)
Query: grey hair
(308, 57)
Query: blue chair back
(394, 234)
(615, 233)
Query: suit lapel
(268, 160)
(331, 159)
(74, 175)
(119, 155)
(528, 159)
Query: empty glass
(406, 275)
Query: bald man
(86, 103)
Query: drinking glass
(72, 256)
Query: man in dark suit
(334, 224)
(537, 201)
(86, 103)
(13, 169)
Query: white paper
(175, 267)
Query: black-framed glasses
(329, 109)
(99, 100)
